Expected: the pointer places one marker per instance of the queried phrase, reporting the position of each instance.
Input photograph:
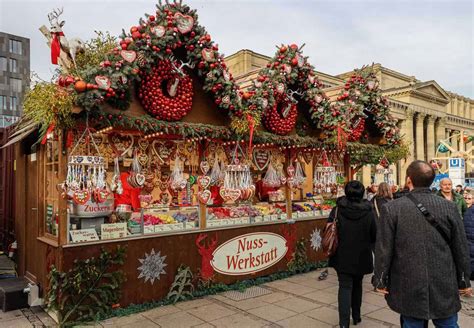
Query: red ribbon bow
(55, 47)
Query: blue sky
(432, 40)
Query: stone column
(430, 138)
(406, 129)
(420, 139)
(366, 175)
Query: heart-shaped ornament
(290, 170)
(230, 195)
(159, 30)
(287, 69)
(300, 60)
(261, 158)
(102, 195)
(140, 179)
(204, 181)
(164, 150)
(142, 158)
(280, 88)
(103, 82)
(81, 197)
(207, 54)
(204, 196)
(143, 144)
(121, 144)
(184, 23)
(204, 166)
(128, 55)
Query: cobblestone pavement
(299, 301)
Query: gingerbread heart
(164, 150)
(261, 158)
(230, 195)
(103, 82)
(207, 54)
(102, 195)
(142, 158)
(139, 180)
(290, 170)
(159, 30)
(204, 196)
(204, 181)
(204, 165)
(143, 144)
(184, 23)
(81, 197)
(121, 144)
(128, 55)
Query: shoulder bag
(330, 238)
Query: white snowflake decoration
(316, 239)
(153, 265)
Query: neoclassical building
(426, 113)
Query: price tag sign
(78, 236)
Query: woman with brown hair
(383, 195)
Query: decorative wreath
(281, 117)
(166, 94)
(363, 100)
(289, 77)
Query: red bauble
(158, 101)
(274, 119)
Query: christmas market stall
(145, 165)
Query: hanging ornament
(177, 180)
(207, 54)
(128, 55)
(184, 23)
(216, 172)
(103, 82)
(204, 166)
(261, 158)
(271, 178)
(158, 30)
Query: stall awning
(20, 134)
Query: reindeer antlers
(179, 69)
(55, 14)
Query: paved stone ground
(299, 301)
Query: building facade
(426, 113)
(14, 76)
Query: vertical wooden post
(347, 167)
(289, 207)
(62, 203)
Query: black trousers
(349, 297)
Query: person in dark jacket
(469, 229)
(353, 257)
(421, 273)
(383, 196)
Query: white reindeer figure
(173, 88)
(71, 47)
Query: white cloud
(428, 39)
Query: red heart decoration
(128, 55)
(159, 30)
(81, 197)
(102, 195)
(207, 54)
(204, 196)
(103, 82)
(204, 181)
(230, 195)
(184, 23)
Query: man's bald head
(445, 180)
(421, 174)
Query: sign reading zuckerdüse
(83, 235)
(113, 230)
(249, 253)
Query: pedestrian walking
(371, 191)
(446, 191)
(383, 196)
(469, 229)
(421, 254)
(353, 257)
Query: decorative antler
(179, 69)
(297, 92)
(55, 14)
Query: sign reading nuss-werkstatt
(249, 253)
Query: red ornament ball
(165, 94)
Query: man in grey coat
(421, 270)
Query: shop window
(3, 102)
(51, 194)
(13, 103)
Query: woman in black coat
(353, 258)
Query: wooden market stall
(150, 145)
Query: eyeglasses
(468, 198)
